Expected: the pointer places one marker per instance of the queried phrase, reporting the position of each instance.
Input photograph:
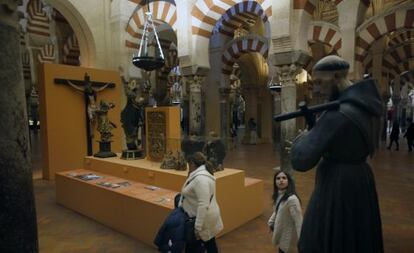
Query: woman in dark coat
(343, 213)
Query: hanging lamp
(144, 59)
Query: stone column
(195, 104)
(18, 230)
(224, 113)
(288, 66)
(185, 105)
(276, 110)
(351, 14)
(250, 93)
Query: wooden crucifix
(89, 89)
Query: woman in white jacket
(286, 220)
(198, 199)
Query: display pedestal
(240, 198)
(133, 209)
(132, 154)
(104, 150)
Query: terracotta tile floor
(62, 230)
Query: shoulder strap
(182, 198)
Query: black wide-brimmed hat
(331, 63)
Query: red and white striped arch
(162, 12)
(37, 21)
(367, 33)
(241, 46)
(206, 14)
(368, 64)
(71, 51)
(402, 38)
(26, 65)
(239, 15)
(326, 33)
(397, 59)
(309, 6)
(47, 53)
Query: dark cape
(343, 214)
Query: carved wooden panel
(157, 141)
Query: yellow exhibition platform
(138, 211)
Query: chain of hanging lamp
(143, 60)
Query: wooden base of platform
(240, 198)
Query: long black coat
(343, 214)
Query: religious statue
(132, 119)
(173, 162)
(105, 127)
(90, 97)
(343, 213)
(168, 161)
(191, 144)
(89, 90)
(215, 151)
(176, 93)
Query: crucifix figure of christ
(89, 89)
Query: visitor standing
(286, 220)
(198, 199)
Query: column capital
(287, 74)
(192, 70)
(297, 57)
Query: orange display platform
(240, 198)
(133, 209)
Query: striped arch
(240, 46)
(26, 65)
(326, 33)
(368, 64)
(163, 11)
(407, 64)
(397, 60)
(372, 30)
(409, 75)
(71, 51)
(309, 6)
(47, 53)
(207, 13)
(37, 21)
(401, 38)
(239, 16)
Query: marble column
(288, 66)
(224, 113)
(18, 230)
